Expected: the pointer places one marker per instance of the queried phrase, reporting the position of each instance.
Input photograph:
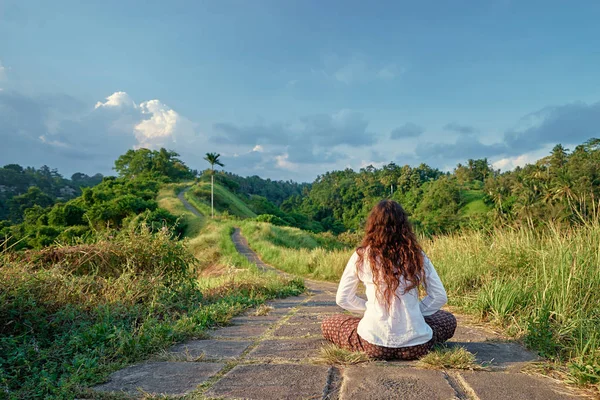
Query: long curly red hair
(392, 250)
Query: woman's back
(399, 323)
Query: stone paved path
(274, 356)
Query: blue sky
(292, 89)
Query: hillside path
(187, 205)
(276, 356)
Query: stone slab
(321, 309)
(304, 330)
(306, 318)
(252, 319)
(240, 331)
(386, 383)
(291, 349)
(288, 302)
(160, 378)
(498, 354)
(496, 385)
(271, 382)
(211, 348)
(321, 302)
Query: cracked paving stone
(160, 378)
(271, 382)
(291, 349)
(211, 348)
(306, 318)
(388, 383)
(498, 354)
(298, 330)
(321, 309)
(240, 331)
(252, 319)
(497, 385)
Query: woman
(391, 264)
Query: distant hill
(225, 201)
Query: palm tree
(213, 159)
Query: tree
(163, 164)
(213, 159)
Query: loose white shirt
(404, 324)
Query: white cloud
(258, 148)
(56, 143)
(153, 132)
(282, 162)
(117, 99)
(509, 163)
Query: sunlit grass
(541, 285)
(334, 355)
(167, 199)
(70, 315)
(456, 357)
(303, 254)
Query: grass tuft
(332, 354)
(263, 309)
(455, 357)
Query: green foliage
(34, 196)
(70, 315)
(563, 187)
(21, 188)
(109, 205)
(271, 219)
(155, 164)
(277, 192)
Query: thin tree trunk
(212, 195)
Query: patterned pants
(341, 330)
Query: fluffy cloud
(165, 126)
(408, 130)
(62, 132)
(117, 99)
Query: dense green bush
(70, 315)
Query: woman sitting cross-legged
(392, 266)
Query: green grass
(449, 357)
(225, 201)
(334, 355)
(296, 251)
(543, 286)
(71, 315)
(540, 286)
(167, 199)
(473, 203)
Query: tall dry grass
(542, 285)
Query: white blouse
(404, 324)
